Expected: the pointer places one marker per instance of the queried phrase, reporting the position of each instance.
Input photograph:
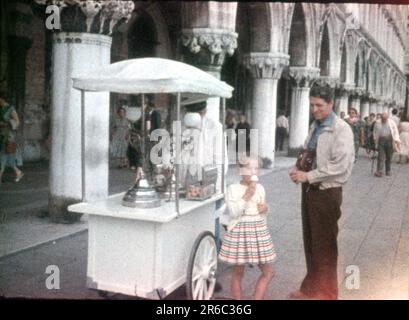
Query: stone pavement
(374, 235)
(23, 203)
(373, 239)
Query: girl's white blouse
(238, 207)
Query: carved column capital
(209, 46)
(357, 92)
(328, 81)
(344, 89)
(109, 10)
(304, 76)
(266, 64)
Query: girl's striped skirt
(248, 242)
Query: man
(332, 140)
(154, 118)
(369, 140)
(282, 129)
(357, 127)
(395, 117)
(242, 131)
(386, 138)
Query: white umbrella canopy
(153, 75)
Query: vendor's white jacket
(209, 139)
(335, 155)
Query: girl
(248, 240)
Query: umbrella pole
(83, 146)
(143, 132)
(177, 153)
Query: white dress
(248, 239)
(119, 143)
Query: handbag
(11, 147)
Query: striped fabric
(248, 242)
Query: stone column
(379, 107)
(364, 108)
(386, 108)
(373, 106)
(74, 54)
(341, 102)
(356, 99)
(300, 106)
(206, 48)
(266, 69)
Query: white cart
(151, 252)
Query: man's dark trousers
(281, 133)
(321, 210)
(385, 152)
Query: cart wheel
(201, 269)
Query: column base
(293, 152)
(57, 208)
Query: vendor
(201, 145)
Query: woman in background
(120, 137)
(404, 138)
(9, 122)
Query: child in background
(248, 240)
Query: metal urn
(141, 195)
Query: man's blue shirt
(318, 127)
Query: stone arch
(330, 38)
(393, 84)
(378, 72)
(356, 70)
(343, 68)
(325, 52)
(259, 19)
(360, 66)
(298, 45)
(142, 37)
(372, 61)
(387, 86)
(153, 14)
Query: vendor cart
(150, 252)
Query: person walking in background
(369, 140)
(386, 136)
(404, 139)
(248, 240)
(154, 120)
(357, 127)
(242, 134)
(9, 122)
(120, 137)
(282, 130)
(395, 117)
(330, 150)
